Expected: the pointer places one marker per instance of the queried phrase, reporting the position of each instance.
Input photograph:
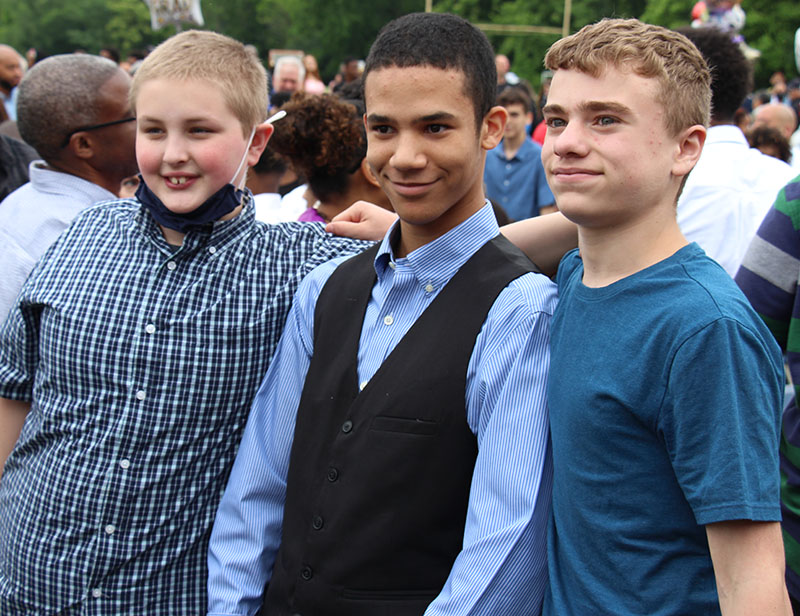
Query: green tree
(56, 27)
(770, 28)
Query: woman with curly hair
(323, 136)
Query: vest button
(333, 474)
(318, 522)
(306, 573)
(347, 426)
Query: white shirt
(294, 203)
(727, 195)
(32, 217)
(268, 208)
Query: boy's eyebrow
(595, 106)
(439, 116)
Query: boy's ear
(260, 139)
(494, 124)
(688, 148)
(368, 174)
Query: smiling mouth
(177, 181)
(410, 189)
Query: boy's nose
(175, 150)
(408, 154)
(570, 140)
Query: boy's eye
(199, 130)
(606, 121)
(555, 122)
(437, 129)
(151, 130)
(381, 129)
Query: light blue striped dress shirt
(502, 566)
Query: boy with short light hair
(131, 356)
(665, 386)
(396, 461)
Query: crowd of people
(418, 340)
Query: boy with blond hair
(665, 386)
(131, 356)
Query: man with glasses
(73, 109)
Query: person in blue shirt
(514, 175)
(666, 387)
(396, 460)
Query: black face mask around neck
(221, 203)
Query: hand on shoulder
(362, 221)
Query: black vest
(379, 480)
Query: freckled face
(607, 154)
(188, 142)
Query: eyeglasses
(95, 127)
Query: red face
(188, 142)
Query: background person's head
(731, 73)
(10, 68)
(778, 116)
(648, 51)
(441, 41)
(324, 138)
(224, 63)
(74, 110)
(517, 103)
(289, 74)
(769, 141)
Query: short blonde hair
(234, 68)
(648, 51)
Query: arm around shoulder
(748, 561)
(545, 239)
(12, 418)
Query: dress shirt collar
(726, 133)
(50, 181)
(439, 260)
(218, 235)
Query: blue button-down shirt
(518, 184)
(501, 569)
(142, 362)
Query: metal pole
(567, 17)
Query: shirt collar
(725, 133)
(439, 260)
(220, 234)
(48, 180)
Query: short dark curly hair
(324, 138)
(439, 40)
(731, 73)
(766, 136)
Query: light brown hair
(220, 60)
(684, 80)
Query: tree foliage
(337, 28)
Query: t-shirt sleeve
(720, 421)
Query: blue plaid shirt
(142, 362)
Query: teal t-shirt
(665, 397)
